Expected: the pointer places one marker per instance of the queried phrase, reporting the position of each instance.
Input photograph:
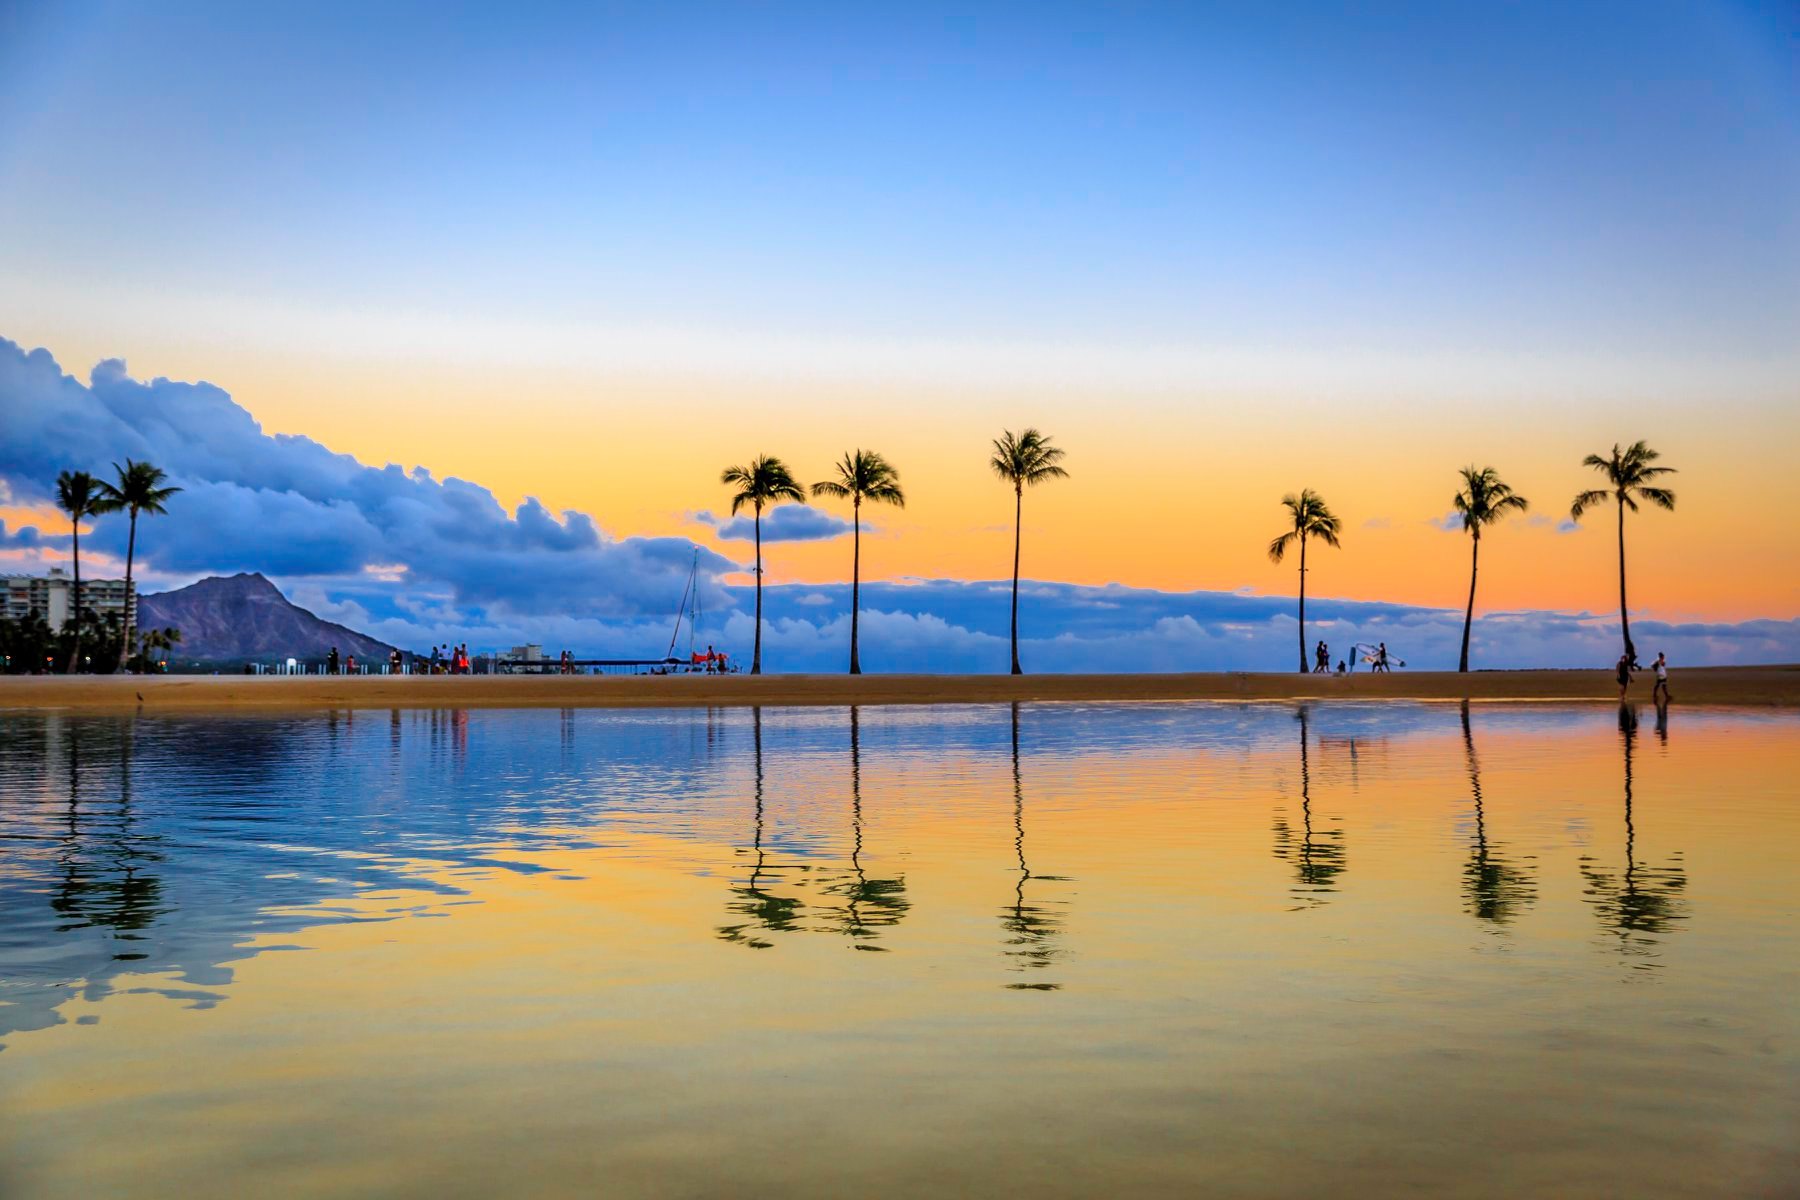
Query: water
(1057, 950)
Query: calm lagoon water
(1054, 950)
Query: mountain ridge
(245, 616)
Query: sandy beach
(1759, 686)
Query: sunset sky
(1220, 252)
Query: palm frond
(765, 481)
(1026, 459)
(1661, 497)
(1587, 500)
(1278, 547)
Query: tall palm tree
(1023, 460)
(1311, 520)
(861, 475)
(1484, 499)
(78, 494)
(139, 489)
(1628, 473)
(764, 482)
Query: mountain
(247, 617)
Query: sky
(577, 260)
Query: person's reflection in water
(1645, 901)
(1493, 889)
(1032, 928)
(1317, 856)
(103, 880)
(1662, 721)
(869, 904)
(764, 909)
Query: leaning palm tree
(764, 482)
(139, 489)
(861, 475)
(1025, 459)
(1628, 473)
(1311, 520)
(78, 494)
(1483, 500)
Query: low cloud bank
(291, 508)
(956, 626)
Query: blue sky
(1136, 171)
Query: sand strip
(1761, 686)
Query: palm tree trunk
(1018, 532)
(75, 654)
(1624, 615)
(855, 589)
(1303, 604)
(1469, 613)
(130, 552)
(756, 654)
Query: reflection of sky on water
(161, 845)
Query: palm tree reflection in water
(1493, 889)
(765, 910)
(1318, 857)
(103, 882)
(869, 904)
(1645, 901)
(1033, 927)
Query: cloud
(1545, 521)
(1450, 522)
(786, 523)
(961, 626)
(27, 537)
(1378, 523)
(290, 507)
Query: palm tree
(1026, 459)
(765, 481)
(139, 490)
(1628, 473)
(78, 494)
(862, 475)
(1484, 499)
(1311, 520)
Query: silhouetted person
(1624, 674)
(1659, 694)
(1381, 659)
(331, 662)
(1321, 659)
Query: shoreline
(1762, 686)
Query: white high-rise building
(52, 598)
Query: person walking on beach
(1624, 672)
(1381, 661)
(331, 662)
(350, 665)
(1659, 694)
(1321, 659)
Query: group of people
(1629, 666)
(1378, 661)
(449, 660)
(712, 662)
